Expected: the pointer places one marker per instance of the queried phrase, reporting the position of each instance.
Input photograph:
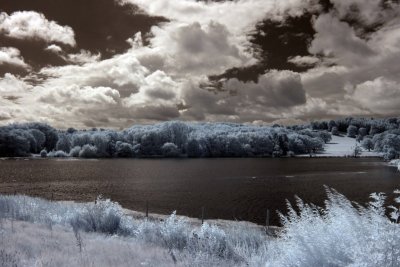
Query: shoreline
(158, 217)
(222, 223)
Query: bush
(124, 150)
(88, 151)
(103, 217)
(170, 150)
(60, 154)
(43, 153)
(75, 152)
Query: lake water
(241, 189)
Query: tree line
(380, 135)
(167, 139)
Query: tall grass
(341, 233)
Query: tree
(75, 152)
(331, 124)
(13, 143)
(352, 131)
(357, 151)
(335, 131)
(124, 150)
(193, 148)
(326, 136)
(102, 142)
(367, 143)
(362, 131)
(374, 130)
(170, 150)
(88, 151)
(81, 139)
(63, 143)
(49, 132)
(71, 130)
(40, 139)
(296, 145)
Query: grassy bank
(36, 232)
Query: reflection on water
(240, 189)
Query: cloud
(82, 57)
(33, 25)
(380, 95)
(12, 56)
(304, 61)
(368, 12)
(275, 92)
(54, 48)
(198, 50)
(233, 14)
(337, 39)
(122, 72)
(11, 85)
(75, 95)
(357, 75)
(163, 74)
(278, 89)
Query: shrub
(170, 150)
(103, 216)
(60, 154)
(88, 151)
(43, 153)
(124, 150)
(75, 152)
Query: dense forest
(184, 139)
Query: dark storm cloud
(100, 26)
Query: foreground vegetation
(35, 231)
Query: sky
(114, 63)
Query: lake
(227, 188)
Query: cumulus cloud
(75, 95)
(278, 89)
(11, 85)
(12, 56)
(233, 14)
(379, 95)
(274, 93)
(357, 75)
(368, 12)
(337, 39)
(198, 50)
(304, 61)
(33, 25)
(54, 48)
(164, 75)
(122, 72)
(82, 57)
